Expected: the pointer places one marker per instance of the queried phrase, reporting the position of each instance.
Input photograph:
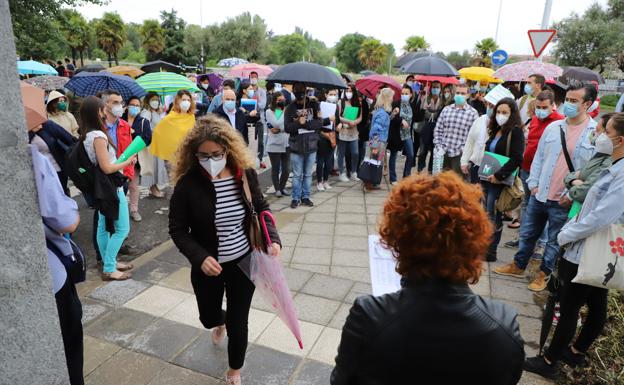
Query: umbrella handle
(262, 216)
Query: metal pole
(546, 19)
(500, 8)
(202, 58)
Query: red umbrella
(441, 79)
(370, 85)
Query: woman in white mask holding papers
(216, 191)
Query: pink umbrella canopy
(243, 70)
(267, 274)
(370, 85)
(518, 72)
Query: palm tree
(111, 34)
(483, 50)
(416, 43)
(76, 32)
(153, 38)
(372, 53)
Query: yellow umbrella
(493, 80)
(133, 72)
(169, 134)
(476, 73)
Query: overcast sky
(448, 25)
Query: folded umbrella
(31, 67)
(431, 65)
(244, 70)
(90, 83)
(48, 82)
(518, 72)
(166, 83)
(581, 74)
(131, 71)
(370, 85)
(310, 74)
(160, 66)
(34, 108)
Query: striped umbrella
(90, 83)
(166, 83)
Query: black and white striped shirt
(229, 220)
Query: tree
(317, 51)
(372, 53)
(152, 38)
(111, 35)
(459, 60)
(416, 43)
(76, 32)
(173, 28)
(35, 26)
(483, 49)
(243, 36)
(347, 52)
(291, 48)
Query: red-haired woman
(434, 328)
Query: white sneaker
(320, 187)
(327, 185)
(354, 176)
(395, 183)
(343, 178)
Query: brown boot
(540, 282)
(510, 270)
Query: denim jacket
(602, 207)
(548, 151)
(380, 124)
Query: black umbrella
(160, 66)
(409, 56)
(368, 72)
(310, 74)
(430, 65)
(581, 74)
(90, 68)
(347, 78)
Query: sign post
(539, 40)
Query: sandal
(121, 266)
(109, 277)
(232, 380)
(218, 334)
(515, 224)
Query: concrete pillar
(31, 348)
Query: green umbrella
(334, 70)
(166, 83)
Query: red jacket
(124, 138)
(536, 129)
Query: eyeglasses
(204, 156)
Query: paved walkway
(146, 331)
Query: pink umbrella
(370, 85)
(441, 79)
(268, 276)
(243, 70)
(518, 72)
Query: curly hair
(214, 129)
(436, 227)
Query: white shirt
(232, 116)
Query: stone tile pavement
(146, 331)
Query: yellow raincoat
(169, 133)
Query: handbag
(511, 197)
(600, 264)
(255, 234)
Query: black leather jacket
(429, 333)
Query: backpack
(79, 168)
(69, 253)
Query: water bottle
(438, 160)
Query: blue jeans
(408, 150)
(533, 223)
(342, 149)
(524, 175)
(492, 193)
(109, 244)
(301, 165)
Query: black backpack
(79, 168)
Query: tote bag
(602, 261)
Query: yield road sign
(499, 57)
(540, 39)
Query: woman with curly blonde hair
(435, 327)
(209, 221)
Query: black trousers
(70, 318)
(573, 297)
(239, 292)
(426, 149)
(280, 168)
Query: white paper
(304, 131)
(327, 110)
(384, 278)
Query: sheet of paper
(304, 131)
(384, 278)
(327, 110)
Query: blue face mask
(435, 91)
(489, 111)
(405, 98)
(460, 100)
(251, 93)
(541, 114)
(570, 110)
(133, 110)
(229, 105)
(528, 89)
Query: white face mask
(213, 167)
(277, 88)
(154, 104)
(117, 110)
(604, 144)
(332, 98)
(501, 119)
(205, 85)
(349, 95)
(253, 81)
(185, 105)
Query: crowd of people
(200, 142)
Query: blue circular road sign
(499, 57)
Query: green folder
(278, 114)
(575, 209)
(491, 163)
(351, 113)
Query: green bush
(610, 100)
